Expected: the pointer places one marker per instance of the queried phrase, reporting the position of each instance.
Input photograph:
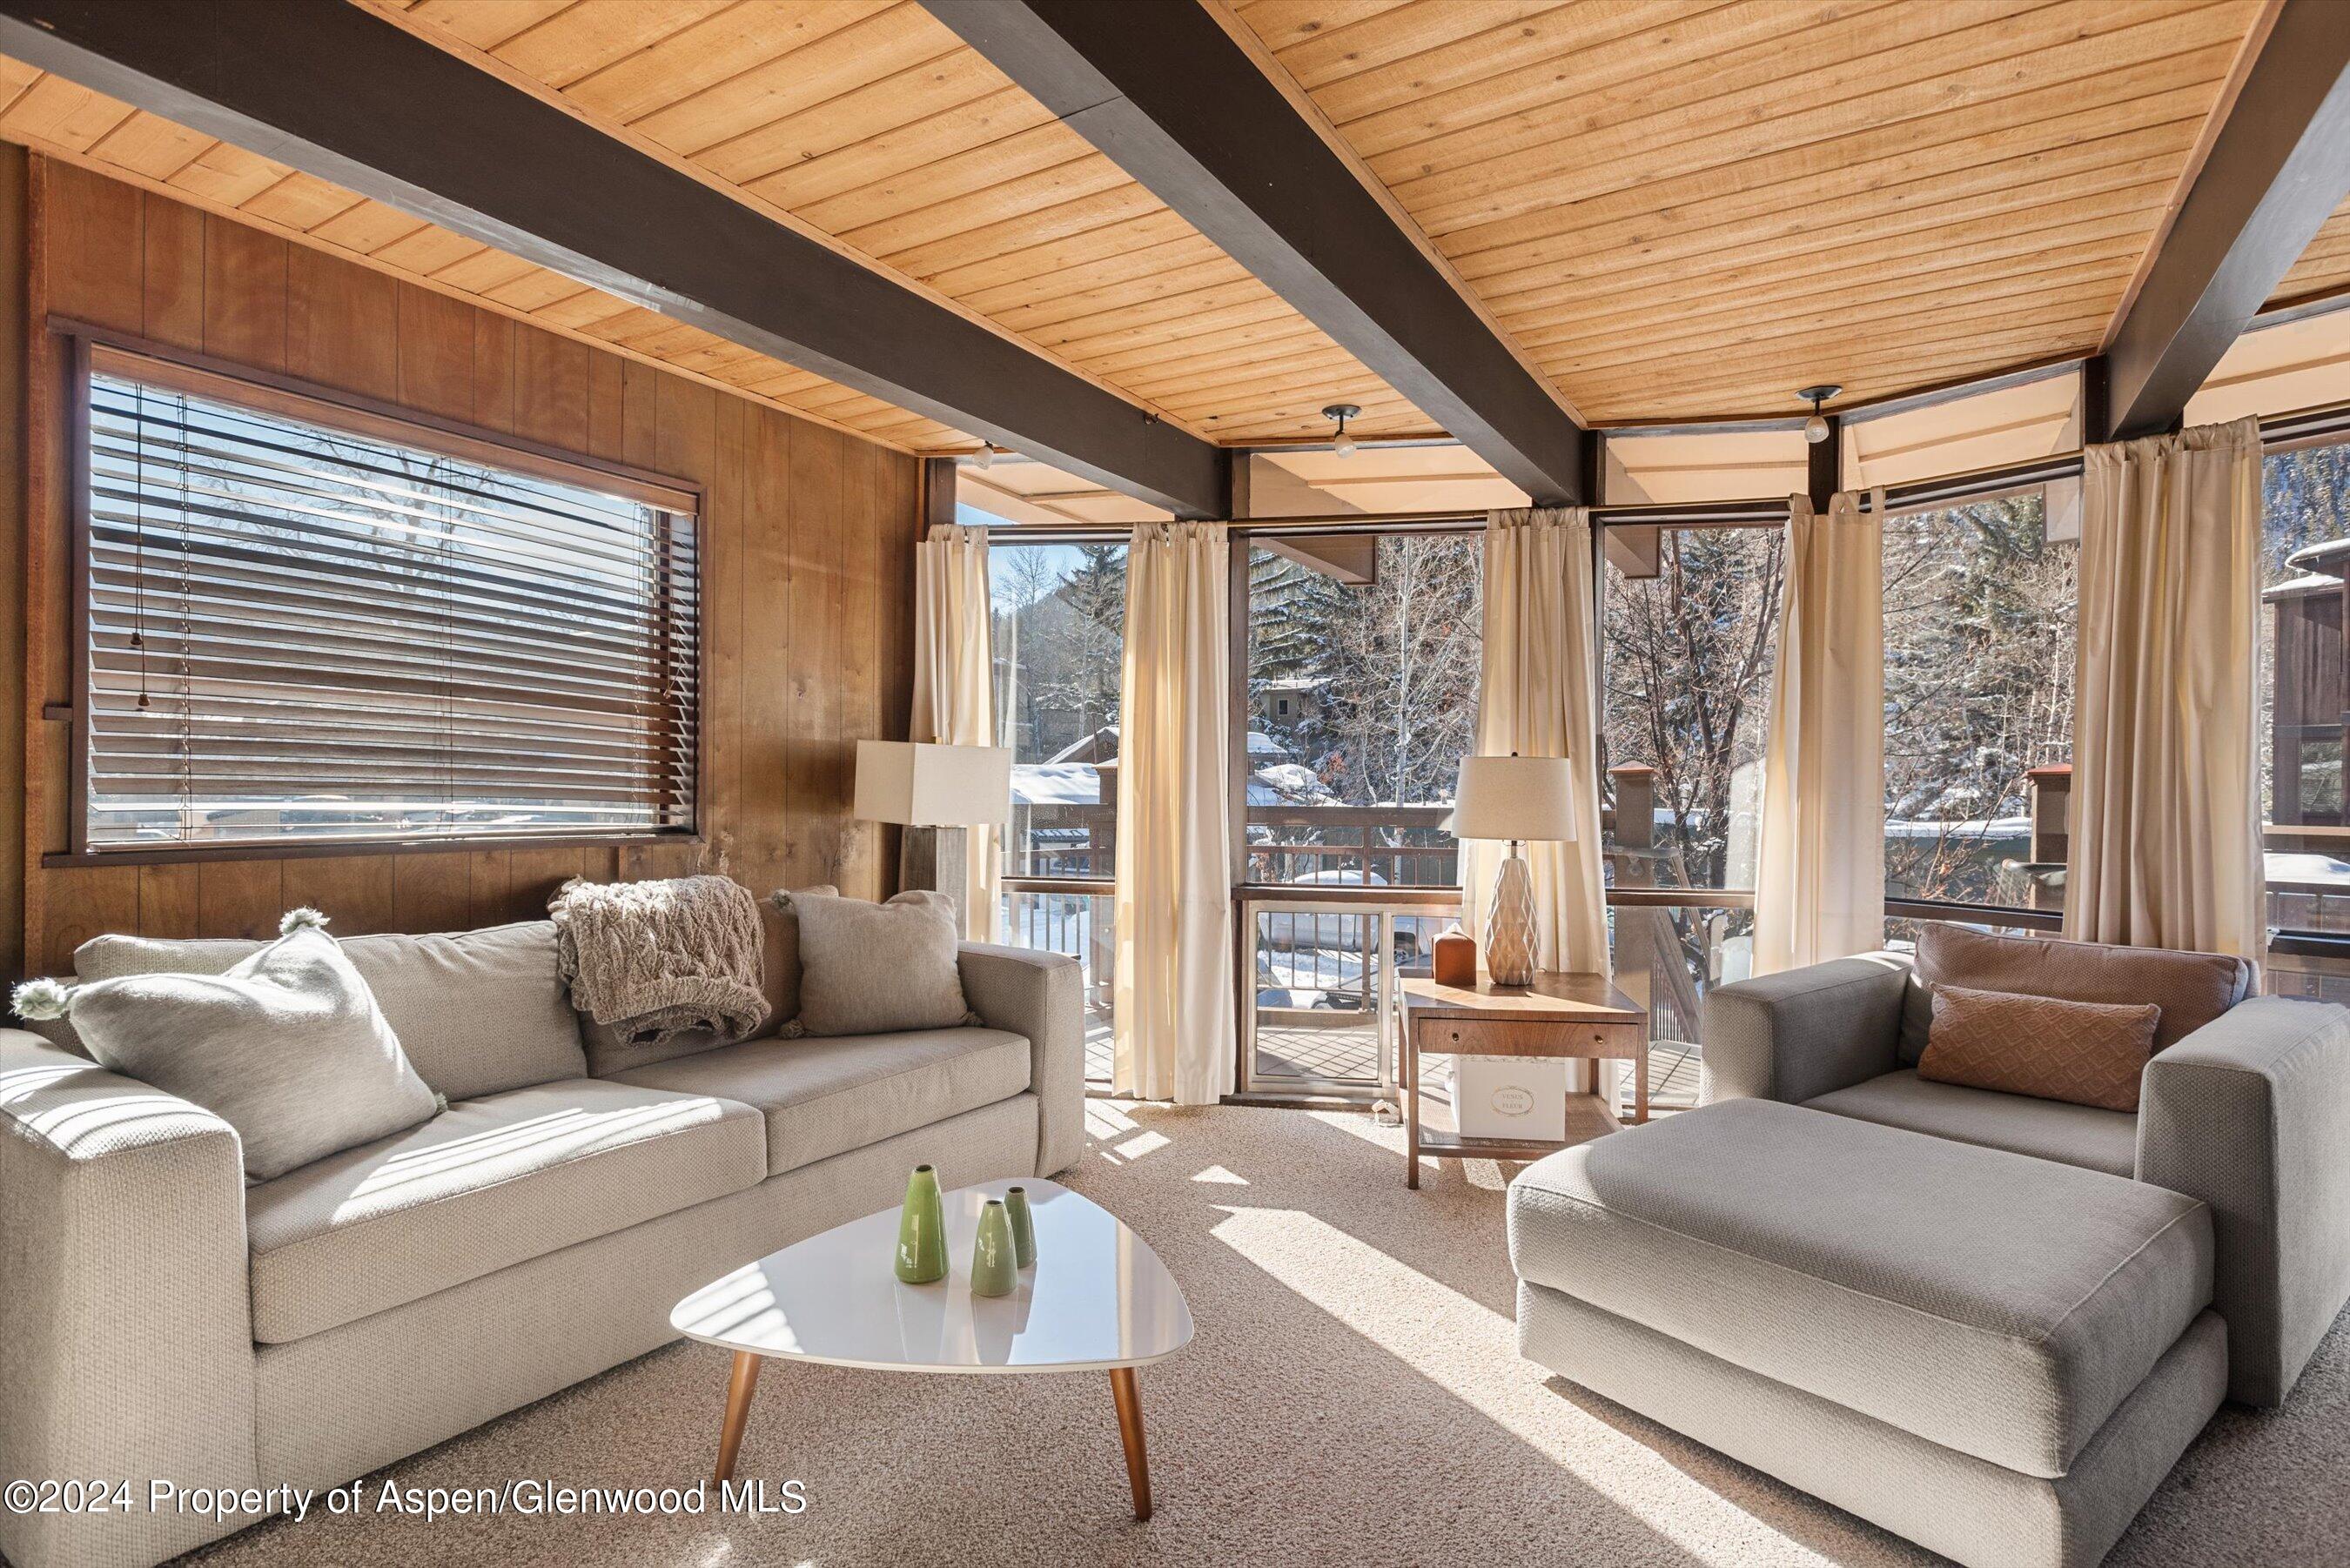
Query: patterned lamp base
(1510, 935)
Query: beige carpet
(1354, 1397)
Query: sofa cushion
(287, 1046)
(825, 1097)
(1998, 1305)
(478, 1012)
(487, 1184)
(2191, 989)
(481, 1012)
(2047, 1129)
(2084, 1052)
(876, 969)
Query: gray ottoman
(1996, 1356)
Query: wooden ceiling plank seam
(1931, 252)
(1083, 173)
(1626, 155)
(815, 66)
(714, 52)
(1853, 168)
(984, 174)
(1240, 302)
(2099, 275)
(1762, 35)
(1337, 53)
(1909, 214)
(1035, 267)
(488, 21)
(2060, 332)
(1103, 288)
(551, 50)
(1063, 220)
(1480, 157)
(1216, 374)
(1211, 352)
(1305, 18)
(779, 165)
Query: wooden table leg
(740, 1386)
(1640, 1086)
(1410, 1104)
(1129, 1432)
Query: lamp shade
(1514, 798)
(925, 785)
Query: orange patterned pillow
(2087, 1052)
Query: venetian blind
(301, 632)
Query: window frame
(90, 348)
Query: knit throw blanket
(660, 959)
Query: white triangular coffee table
(1097, 1299)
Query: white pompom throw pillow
(288, 1047)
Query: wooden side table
(1568, 1015)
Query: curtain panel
(954, 688)
(1819, 877)
(2165, 839)
(1539, 698)
(1173, 999)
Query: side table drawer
(1496, 1037)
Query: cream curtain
(1173, 1000)
(2166, 842)
(1538, 698)
(1819, 877)
(954, 684)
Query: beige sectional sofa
(165, 1320)
(1989, 1323)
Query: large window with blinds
(307, 624)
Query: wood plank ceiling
(1691, 207)
(1674, 208)
(869, 123)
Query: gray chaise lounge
(1987, 1322)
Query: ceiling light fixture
(1345, 445)
(1815, 429)
(986, 458)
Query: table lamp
(1513, 799)
(938, 793)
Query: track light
(1815, 429)
(1345, 445)
(986, 458)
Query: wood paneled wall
(808, 548)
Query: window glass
(1363, 659)
(300, 633)
(1688, 652)
(1979, 614)
(1060, 647)
(2304, 560)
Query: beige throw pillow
(287, 1046)
(875, 969)
(2086, 1053)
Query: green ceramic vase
(922, 1229)
(1024, 1226)
(994, 1270)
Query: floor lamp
(938, 793)
(1513, 800)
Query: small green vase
(1024, 1226)
(994, 1270)
(922, 1229)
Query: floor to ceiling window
(1361, 673)
(1689, 632)
(1059, 639)
(2304, 703)
(1979, 618)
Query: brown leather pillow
(2086, 1052)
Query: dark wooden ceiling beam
(1179, 104)
(345, 95)
(2278, 168)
